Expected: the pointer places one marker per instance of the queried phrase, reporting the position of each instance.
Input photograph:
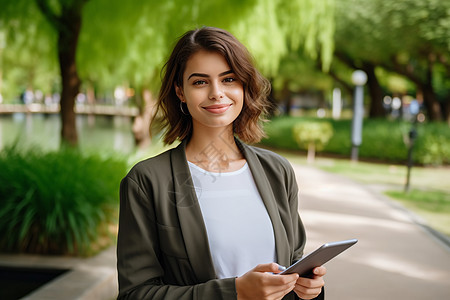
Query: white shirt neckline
(237, 172)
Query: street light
(359, 79)
(414, 110)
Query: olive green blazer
(163, 250)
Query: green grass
(432, 205)
(432, 201)
(429, 195)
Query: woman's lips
(217, 109)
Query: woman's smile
(217, 108)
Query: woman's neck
(215, 151)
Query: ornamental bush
(57, 202)
(312, 136)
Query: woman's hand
(258, 284)
(310, 288)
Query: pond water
(104, 133)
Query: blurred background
(360, 88)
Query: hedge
(383, 140)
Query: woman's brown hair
(175, 123)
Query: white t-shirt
(239, 229)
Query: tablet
(317, 258)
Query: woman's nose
(215, 92)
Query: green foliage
(292, 70)
(384, 140)
(279, 131)
(23, 38)
(381, 139)
(56, 202)
(433, 144)
(316, 133)
(407, 37)
(273, 28)
(385, 28)
(128, 41)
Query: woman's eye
(229, 79)
(199, 82)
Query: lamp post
(414, 110)
(359, 79)
(337, 103)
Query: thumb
(270, 267)
(320, 271)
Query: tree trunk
(374, 88)
(429, 96)
(376, 109)
(311, 156)
(424, 86)
(286, 98)
(67, 46)
(90, 94)
(67, 24)
(431, 104)
(141, 123)
(447, 111)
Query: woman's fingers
(261, 283)
(309, 288)
(306, 293)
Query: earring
(181, 107)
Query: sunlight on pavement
(405, 268)
(320, 218)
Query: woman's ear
(179, 92)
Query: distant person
(212, 218)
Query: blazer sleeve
(297, 225)
(299, 230)
(140, 271)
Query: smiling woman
(212, 218)
(213, 94)
(231, 53)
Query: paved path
(395, 258)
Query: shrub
(384, 140)
(312, 136)
(433, 144)
(56, 202)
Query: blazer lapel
(263, 185)
(190, 217)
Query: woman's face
(213, 94)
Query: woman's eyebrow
(198, 75)
(206, 75)
(226, 73)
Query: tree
(112, 42)
(64, 18)
(298, 74)
(66, 21)
(312, 136)
(408, 37)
